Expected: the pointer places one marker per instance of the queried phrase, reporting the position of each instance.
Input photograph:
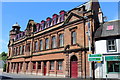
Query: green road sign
(94, 57)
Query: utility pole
(89, 44)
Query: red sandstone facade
(55, 47)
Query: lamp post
(89, 44)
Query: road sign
(94, 57)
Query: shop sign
(112, 58)
(94, 57)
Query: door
(17, 67)
(74, 67)
(44, 68)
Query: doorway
(74, 67)
(17, 67)
(44, 69)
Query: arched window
(36, 46)
(61, 40)
(23, 48)
(47, 43)
(53, 42)
(20, 50)
(41, 45)
(73, 38)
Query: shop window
(39, 65)
(52, 65)
(113, 66)
(47, 43)
(61, 40)
(41, 45)
(73, 37)
(111, 45)
(53, 42)
(60, 65)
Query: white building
(107, 43)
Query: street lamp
(89, 42)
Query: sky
(21, 12)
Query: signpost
(94, 57)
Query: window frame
(72, 37)
(36, 46)
(61, 40)
(54, 45)
(41, 45)
(47, 43)
(16, 51)
(60, 65)
(23, 49)
(20, 50)
(52, 67)
(113, 67)
(115, 45)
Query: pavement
(14, 76)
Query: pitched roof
(111, 28)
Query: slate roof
(103, 32)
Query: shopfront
(112, 66)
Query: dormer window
(24, 33)
(43, 24)
(48, 21)
(54, 19)
(20, 35)
(37, 27)
(62, 16)
(40, 27)
(16, 37)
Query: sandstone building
(57, 46)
